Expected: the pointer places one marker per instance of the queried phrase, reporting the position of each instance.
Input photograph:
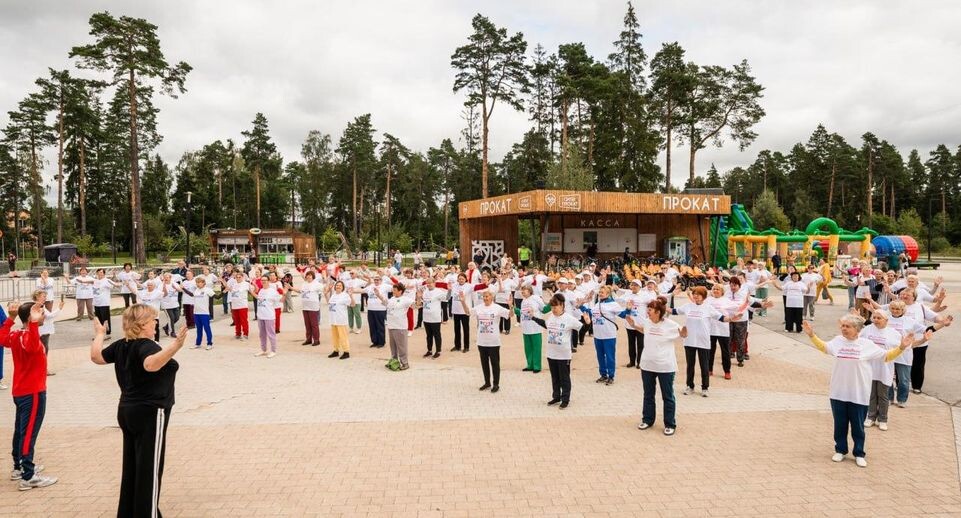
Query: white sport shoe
(3, 386)
(18, 474)
(868, 423)
(704, 393)
(37, 481)
(260, 353)
(688, 390)
(410, 333)
(643, 426)
(862, 463)
(883, 427)
(838, 457)
(271, 354)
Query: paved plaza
(301, 434)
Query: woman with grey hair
(851, 381)
(887, 338)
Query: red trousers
(276, 320)
(241, 326)
(312, 326)
(410, 319)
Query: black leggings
(725, 343)
(129, 298)
(103, 315)
(433, 335)
(560, 379)
(144, 445)
(702, 356)
(792, 318)
(505, 324)
(461, 326)
(635, 346)
(491, 363)
(917, 367)
(584, 330)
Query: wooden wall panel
(502, 228)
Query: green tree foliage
(571, 174)
(491, 69)
(671, 85)
(269, 199)
(767, 213)
(356, 173)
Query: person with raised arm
(850, 390)
(145, 372)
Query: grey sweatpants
(879, 403)
(398, 344)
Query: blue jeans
(847, 414)
(30, 411)
(202, 323)
(605, 348)
(902, 375)
(650, 380)
(851, 296)
(376, 324)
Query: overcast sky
(855, 66)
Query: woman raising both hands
(851, 380)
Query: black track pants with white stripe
(144, 442)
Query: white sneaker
(883, 427)
(37, 481)
(704, 393)
(410, 333)
(643, 426)
(271, 354)
(18, 474)
(838, 457)
(868, 423)
(688, 390)
(862, 463)
(260, 353)
(3, 386)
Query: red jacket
(29, 359)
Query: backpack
(393, 364)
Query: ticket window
(590, 240)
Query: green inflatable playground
(734, 236)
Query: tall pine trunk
(82, 181)
(139, 251)
(485, 117)
(667, 148)
(353, 196)
(870, 187)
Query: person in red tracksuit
(29, 391)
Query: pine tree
(130, 49)
(491, 69)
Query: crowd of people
(879, 351)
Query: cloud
(854, 66)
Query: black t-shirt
(137, 386)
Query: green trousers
(532, 351)
(353, 316)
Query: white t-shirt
(698, 323)
(903, 325)
(456, 289)
(794, 292)
(266, 302)
(84, 285)
(852, 375)
(488, 324)
(811, 280)
(397, 311)
(373, 302)
(201, 300)
(310, 295)
(532, 305)
(604, 317)
(559, 335)
(886, 339)
(125, 279)
(337, 305)
(659, 341)
(725, 306)
(48, 287)
(101, 292)
(169, 300)
(503, 290)
(48, 322)
(238, 293)
(150, 298)
(432, 299)
(190, 286)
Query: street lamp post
(187, 259)
(930, 224)
(113, 242)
